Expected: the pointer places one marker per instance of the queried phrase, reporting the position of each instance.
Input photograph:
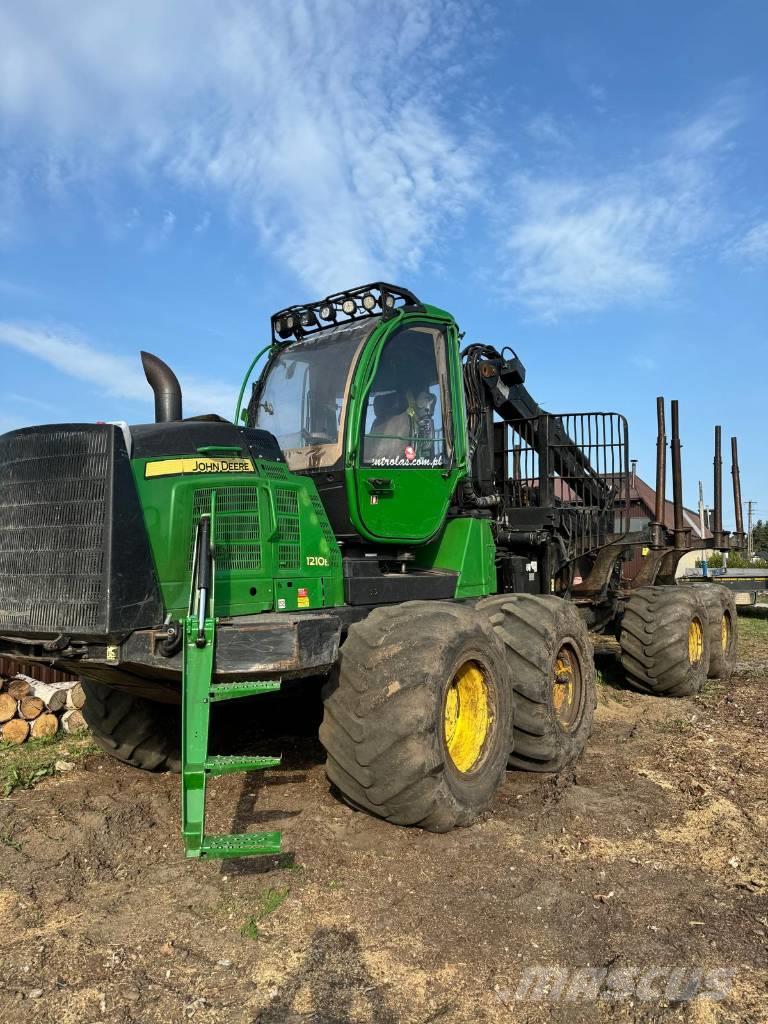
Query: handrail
(247, 377)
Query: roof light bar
(377, 299)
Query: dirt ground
(649, 857)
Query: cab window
(406, 421)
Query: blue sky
(586, 182)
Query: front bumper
(257, 646)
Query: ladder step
(225, 764)
(228, 691)
(245, 845)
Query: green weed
(7, 840)
(24, 765)
(269, 901)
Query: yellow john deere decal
(197, 464)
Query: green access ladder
(199, 693)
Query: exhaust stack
(738, 537)
(681, 534)
(719, 539)
(166, 388)
(657, 527)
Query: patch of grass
(753, 634)
(753, 623)
(250, 929)
(23, 765)
(269, 901)
(7, 840)
(711, 691)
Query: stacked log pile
(30, 709)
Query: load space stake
(199, 692)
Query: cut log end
(44, 726)
(53, 695)
(31, 707)
(73, 721)
(15, 731)
(7, 707)
(19, 688)
(76, 697)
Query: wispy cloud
(712, 127)
(203, 223)
(160, 233)
(588, 243)
(751, 247)
(545, 129)
(75, 356)
(320, 122)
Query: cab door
(405, 457)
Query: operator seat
(401, 419)
(390, 417)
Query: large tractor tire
(723, 628)
(139, 732)
(725, 640)
(665, 641)
(418, 715)
(552, 673)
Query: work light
(369, 302)
(327, 311)
(284, 327)
(349, 306)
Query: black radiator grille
(53, 507)
(74, 553)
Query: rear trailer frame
(738, 581)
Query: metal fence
(575, 461)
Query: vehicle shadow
(753, 611)
(332, 985)
(608, 666)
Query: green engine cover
(274, 547)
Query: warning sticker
(302, 598)
(197, 464)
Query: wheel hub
(725, 632)
(467, 716)
(695, 642)
(566, 689)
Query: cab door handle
(380, 485)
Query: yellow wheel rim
(725, 632)
(566, 689)
(467, 716)
(695, 642)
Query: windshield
(301, 401)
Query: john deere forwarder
(388, 511)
